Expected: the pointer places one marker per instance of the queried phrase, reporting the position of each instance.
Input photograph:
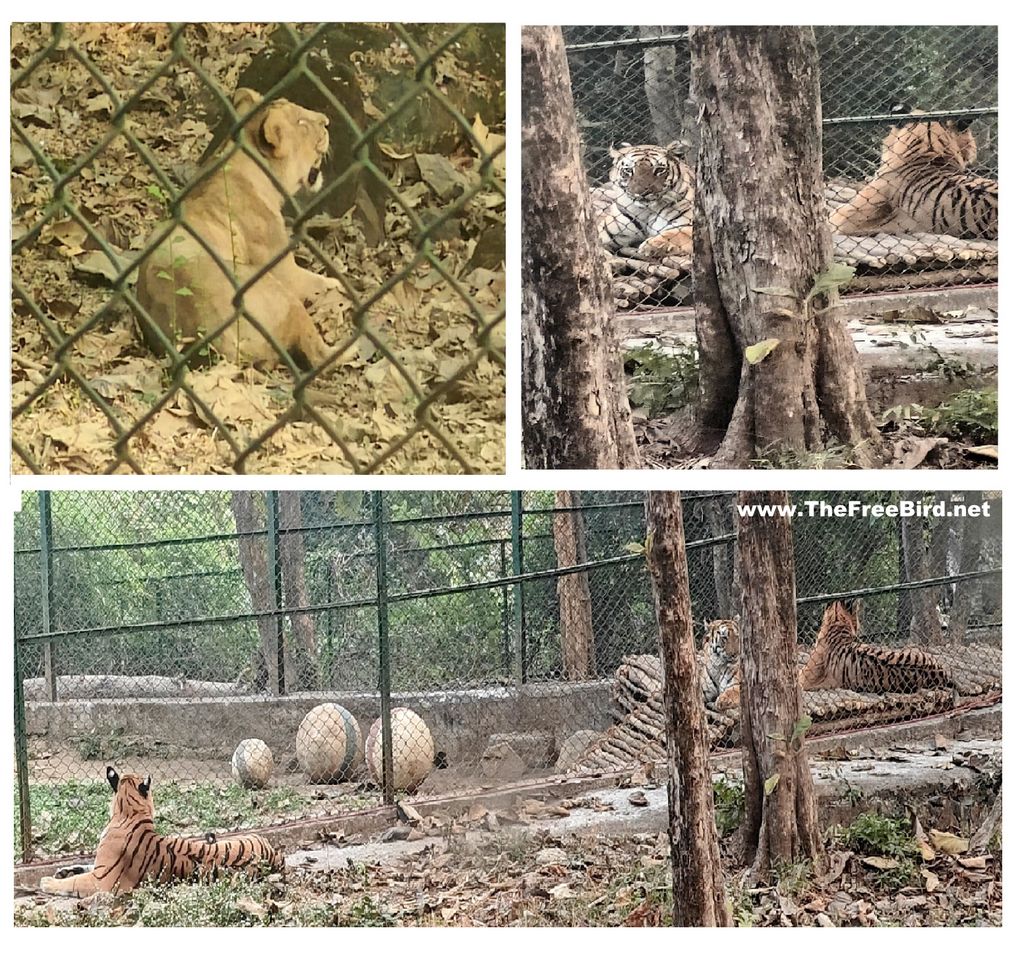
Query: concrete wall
(460, 721)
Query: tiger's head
(132, 796)
(840, 619)
(950, 140)
(723, 637)
(292, 140)
(647, 171)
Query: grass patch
(728, 806)
(68, 817)
(880, 837)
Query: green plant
(661, 381)
(792, 879)
(877, 834)
(969, 415)
(728, 806)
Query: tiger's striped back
(922, 186)
(650, 197)
(839, 660)
(131, 851)
(719, 664)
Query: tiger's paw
(677, 242)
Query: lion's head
(293, 140)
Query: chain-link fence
(169, 318)
(348, 647)
(912, 200)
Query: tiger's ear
(616, 152)
(900, 109)
(144, 786)
(678, 148)
(112, 777)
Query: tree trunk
(698, 884)
(293, 573)
(760, 223)
(924, 623)
(781, 820)
(574, 604)
(721, 511)
(965, 592)
(252, 557)
(662, 87)
(575, 411)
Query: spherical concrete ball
(412, 746)
(252, 763)
(329, 744)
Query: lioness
(236, 211)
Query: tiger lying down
(131, 851)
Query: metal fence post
(21, 757)
(384, 648)
(519, 606)
(46, 585)
(276, 582)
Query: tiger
(839, 660)
(648, 201)
(922, 185)
(131, 851)
(719, 664)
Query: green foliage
(69, 817)
(970, 415)
(728, 805)
(661, 382)
(876, 834)
(792, 879)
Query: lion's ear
(274, 132)
(245, 99)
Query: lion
(231, 223)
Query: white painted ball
(412, 746)
(329, 744)
(252, 764)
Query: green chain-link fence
(480, 638)
(631, 84)
(166, 319)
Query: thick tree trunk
(575, 411)
(252, 557)
(293, 572)
(760, 223)
(575, 613)
(698, 885)
(781, 822)
(662, 88)
(965, 593)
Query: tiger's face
(723, 635)
(648, 171)
(938, 139)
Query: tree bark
(965, 592)
(252, 557)
(760, 223)
(781, 818)
(575, 411)
(575, 613)
(924, 623)
(698, 884)
(662, 88)
(293, 573)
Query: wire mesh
(243, 648)
(365, 335)
(912, 201)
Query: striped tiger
(838, 660)
(718, 661)
(648, 202)
(922, 186)
(131, 851)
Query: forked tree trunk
(760, 223)
(293, 575)
(575, 411)
(252, 557)
(781, 817)
(698, 884)
(575, 613)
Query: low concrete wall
(460, 721)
